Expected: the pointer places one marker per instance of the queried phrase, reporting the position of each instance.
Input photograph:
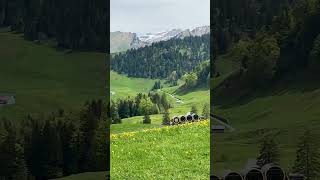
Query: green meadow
(176, 152)
(155, 150)
(283, 110)
(196, 97)
(44, 78)
(122, 86)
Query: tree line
(73, 24)
(141, 105)
(231, 19)
(287, 44)
(199, 76)
(307, 160)
(161, 59)
(55, 145)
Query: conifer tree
(194, 109)
(206, 110)
(269, 152)
(51, 146)
(307, 156)
(146, 119)
(12, 159)
(166, 117)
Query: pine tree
(146, 119)
(307, 157)
(70, 149)
(36, 156)
(315, 54)
(88, 126)
(206, 110)
(12, 154)
(269, 152)
(100, 153)
(194, 109)
(166, 117)
(52, 160)
(115, 119)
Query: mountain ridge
(122, 41)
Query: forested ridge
(233, 19)
(271, 50)
(73, 24)
(47, 146)
(284, 40)
(160, 59)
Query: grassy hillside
(178, 152)
(123, 86)
(198, 97)
(155, 150)
(44, 78)
(284, 109)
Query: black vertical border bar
(212, 60)
(108, 163)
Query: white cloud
(143, 16)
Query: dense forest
(163, 58)
(54, 145)
(276, 45)
(233, 19)
(285, 40)
(72, 24)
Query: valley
(170, 145)
(158, 77)
(267, 88)
(52, 89)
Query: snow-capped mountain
(150, 38)
(161, 36)
(122, 41)
(199, 31)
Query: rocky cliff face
(122, 41)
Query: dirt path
(179, 101)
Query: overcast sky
(142, 16)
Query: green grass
(149, 151)
(180, 152)
(285, 108)
(86, 176)
(45, 79)
(124, 86)
(197, 97)
(135, 124)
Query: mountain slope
(122, 41)
(160, 59)
(48, 79)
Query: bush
(146, 119)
